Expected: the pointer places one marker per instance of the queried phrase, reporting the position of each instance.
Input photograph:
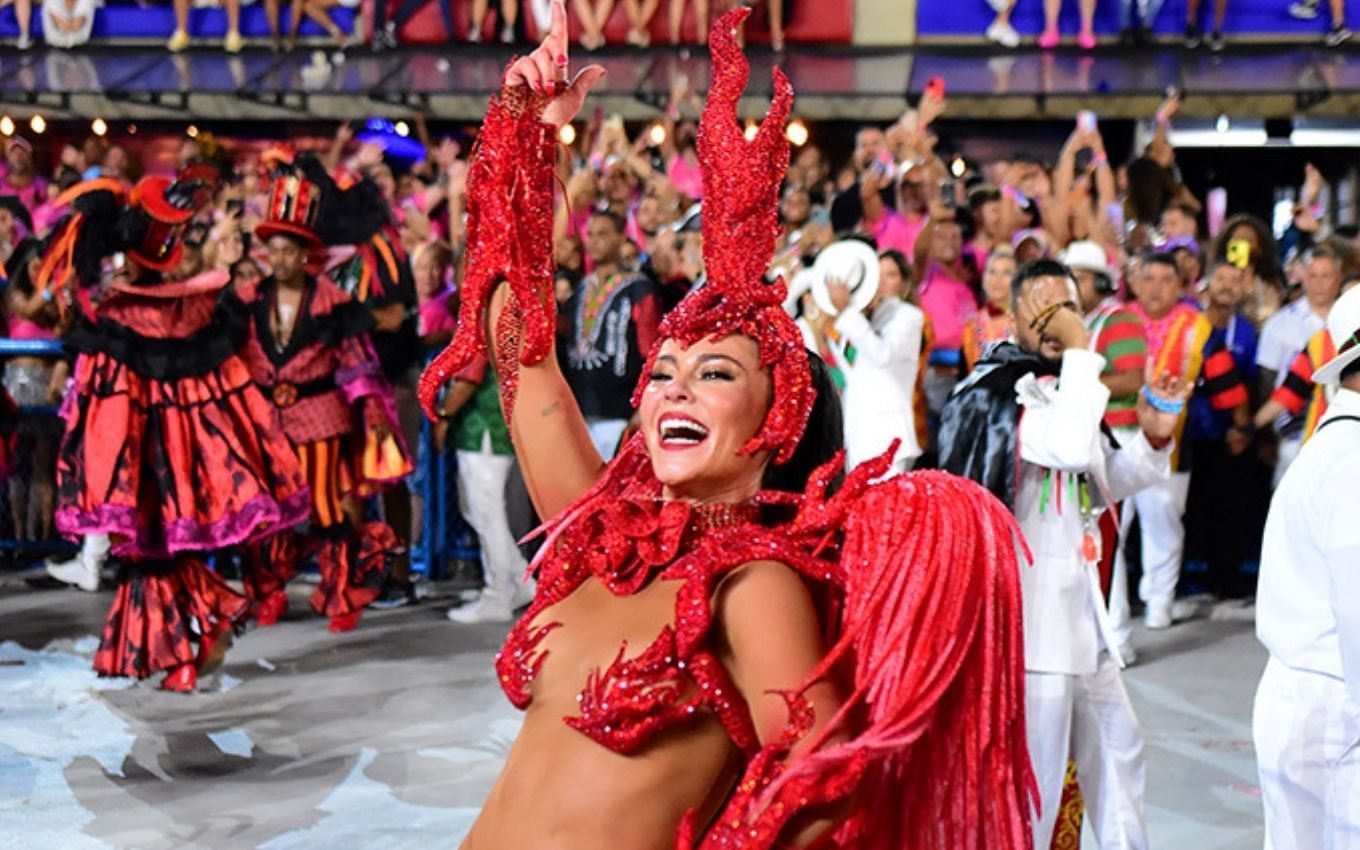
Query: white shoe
(1304, 11)
(78, 572)
(83, 570)
(522, 595)
(490, 608)
(1003, 34)
(1189, 609)
(1158, 615)
(1129, 654)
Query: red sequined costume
(170, 449)
(916, 578)
(318, 378)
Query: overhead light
(567, 134)
(958, 167)
(37, 124)
(132, 129)
(192, 131)
(1222, 125)
(657, 135)
(98, 127)
(752, 128)
(1236, 137)
(1323, 137)
(796, 133)
(402, 128)
(7, 126)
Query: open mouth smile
(677, 431)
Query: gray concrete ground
(389, 737)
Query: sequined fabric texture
(740, 226)
(509, 238)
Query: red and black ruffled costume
(316, 383)
(329, 397)
(171, 450)
(916, 577)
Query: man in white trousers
(474, 424)
(1306, 722)
(1070, 471)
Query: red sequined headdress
(740, 225)
(510, 239)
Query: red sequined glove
(509, 238)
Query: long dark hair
(1266, 262)
(824, 436)
(904, 268)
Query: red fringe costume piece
(917, 577)
(170, 449)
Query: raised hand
(1161, 405)
(546, 71)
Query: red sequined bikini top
(626, 543)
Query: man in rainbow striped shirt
(1180, 343)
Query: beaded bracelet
(1161, 404)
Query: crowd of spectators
(949, 235)
(69, 23)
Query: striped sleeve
(1122, 343)
(1297, 388)
(1221, 379)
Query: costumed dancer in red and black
(379, 276)
(735, 655)
(170, 448)
(309, 350)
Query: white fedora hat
(1343, 323)
(853, 263)
(1087, 256)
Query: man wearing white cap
(1306, 722)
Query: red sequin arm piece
(509, 238)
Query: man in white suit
(1069, 471)
(879, 349)
(1306, 721)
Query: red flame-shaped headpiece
(740, 226)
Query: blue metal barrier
(445, 536)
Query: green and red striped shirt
(1117, 335)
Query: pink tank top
(25, 329)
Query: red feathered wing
(928, 750)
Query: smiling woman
(720, 652)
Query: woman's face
(428, 273)
(230, 248)
(996, 281)
(700, 406)
(1247, 232)
(891, 284)
(796, 208)
(246, 274)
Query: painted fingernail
(562, 61)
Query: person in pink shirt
(886, 225)
(947, 297)
(430, 268)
